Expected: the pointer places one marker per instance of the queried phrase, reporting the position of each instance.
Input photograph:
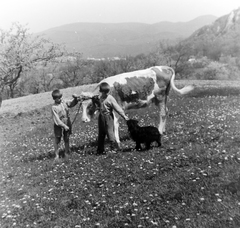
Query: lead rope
(63, 111)
(79, 106)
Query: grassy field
(193, 180)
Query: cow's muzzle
(85, 120)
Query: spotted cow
(138, 89)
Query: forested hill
(222, 37)
(100, 40)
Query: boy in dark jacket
(106, 118)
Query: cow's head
(89, 107)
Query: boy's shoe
(57, 160)
(119, 147)
(114, 148)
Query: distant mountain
(99, 40)
(220, 37)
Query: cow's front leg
(162, 117)
(116, 130)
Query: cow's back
(122, 78)
(141, 84)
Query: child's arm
(57, 120)
(118, 109)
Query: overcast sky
(39, 15)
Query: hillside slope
(100, 40)
(31, 103)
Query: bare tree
(174, 55)
(71, 72)
(21, 51)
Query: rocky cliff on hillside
(223, 26)
(220, 38)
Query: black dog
(145, 135)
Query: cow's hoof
(118, 146)
(57, 160)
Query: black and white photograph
(119, 114)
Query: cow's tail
(184, 90)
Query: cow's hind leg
(162, 117)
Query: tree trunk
(11, 90)
(0, 99)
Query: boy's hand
(126, 118)
(66, 128)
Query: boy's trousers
(105, 127)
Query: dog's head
(132, 124)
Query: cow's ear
(95, 97)
(96, 100)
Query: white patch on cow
(85, 117)
(87, 94)
(121, 78)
